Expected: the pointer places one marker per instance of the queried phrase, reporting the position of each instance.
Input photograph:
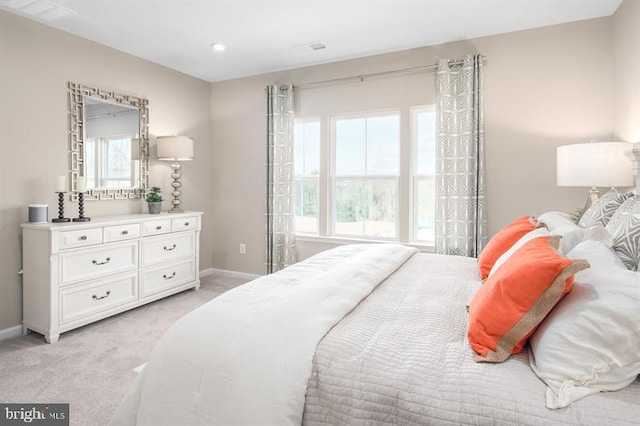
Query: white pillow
(559, 223)
(598, 253)
(599, 233)
(538, 232)
(554, 219)
(590, 342)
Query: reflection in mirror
(111, 153)
(108, 143)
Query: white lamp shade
(594, 164)
(175, 148)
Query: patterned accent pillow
(600, 212)
(624, 228)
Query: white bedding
(246, 356)
(399, 356)
(402, 357)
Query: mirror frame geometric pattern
(77, 92)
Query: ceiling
(269, 35)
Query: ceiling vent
(44, 10)
(305, 47)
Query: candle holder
(61, 217)
(81, 217)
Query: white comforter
(246, 356)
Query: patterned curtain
(460, 183)
(280, 240)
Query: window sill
(307, 238)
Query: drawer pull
(169, 277)
(95, 296)
(159, 227)
(83, 238)
(95, 262)
(169, 248)
(186, 224)
(125, 232)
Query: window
(366, 174)
(306, 172)
(424, 192)
(109, 162)
(364, 177)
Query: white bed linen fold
(246, 356)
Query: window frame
(306, 177)
(101, 158)
(415, 176)
(406, 217)
(331, 205)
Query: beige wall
(543, 88)
(35, 64)
(626, 78)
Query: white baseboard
(11, 332)
(226, 273)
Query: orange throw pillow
(506, 310)
(503, 241)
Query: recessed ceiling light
(218, 47)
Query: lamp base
(594, 195)
(176, 175)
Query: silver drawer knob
(107, 260)
(96, 297)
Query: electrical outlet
(243, 248)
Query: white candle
(81, 184)
(61, 183)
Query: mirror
(108, 143)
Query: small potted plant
(154, 200)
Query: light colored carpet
(91, 367)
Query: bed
(382, 334)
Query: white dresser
(80, 272)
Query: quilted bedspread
(402, 357)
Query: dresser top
(107, 220)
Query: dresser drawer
(156, 227)
(81, 301)
(121, 232)
(78, 265)
(184, 224)
(168, 248)
(80, 238)
(167, 277)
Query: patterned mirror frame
(77, 92)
